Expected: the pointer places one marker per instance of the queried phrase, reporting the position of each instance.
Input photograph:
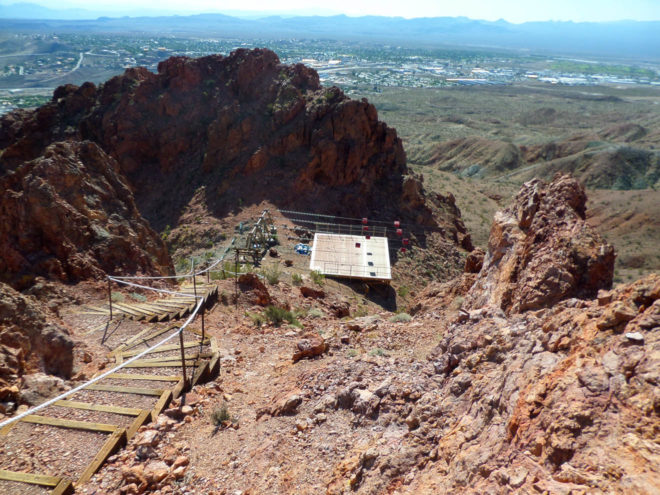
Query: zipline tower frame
(259, 239)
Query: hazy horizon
(514, 11)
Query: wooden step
(124, 390)
(172, 364)
(155, 378)
(32, 479)
(113, 443)
(126, 411)
(169, 359)
(68, 423)
(165, 348)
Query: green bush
(317, 277)
(315, 313)
(257, 319)
(117, 297)
(277, 315)
(138, 297)
(272, 274)
(221, 275)
(401, 317)
(220, 415)
(296, 279)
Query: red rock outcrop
(244, 126)
(68, 215)
(558, 400)
(29, 341)
(541, 251)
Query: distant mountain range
(629, 39)
(27, 10)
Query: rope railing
(68, 393)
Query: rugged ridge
(245, 127)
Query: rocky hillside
(30, 341)
(86, 178)
(508, 395)
(623, 156)
(68, 215)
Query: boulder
(258, 293)
(474, 261)
(310, 345)
(312, 293)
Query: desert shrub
(277, 316)
(317, 277)
(360, 311)
(272, 274)
(315, 313)
(220, 415)
(456, 303)
(296, 279)
(257, 319)
(138, 297)
(221, 275)
(117, 297)
(403, 291)
(400, 317)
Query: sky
(511, 10)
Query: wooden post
(236, 279)
(110, 298)
(203, 333)
(183, 359)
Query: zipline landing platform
(351, 256)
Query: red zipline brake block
(399, 232)
(364, 221)
(405, 241)
(397, 224)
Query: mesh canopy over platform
(351, 256)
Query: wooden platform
(351, 256)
